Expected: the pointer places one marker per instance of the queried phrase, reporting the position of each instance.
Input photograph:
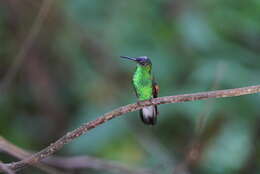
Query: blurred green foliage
(72, 74)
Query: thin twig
(5, 169)
(70, 136)
(34, 31)
(19, 153)
(83, 162)
(69, 163)
(195, 150)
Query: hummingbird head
(142, 60)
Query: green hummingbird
(145, 87)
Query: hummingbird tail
(149, 115)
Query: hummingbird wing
(155, 89)
(155, 93)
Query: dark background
(71, 73)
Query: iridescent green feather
(142, 82)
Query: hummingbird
(145, 87)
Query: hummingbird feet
(139, 102)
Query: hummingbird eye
(141, 61)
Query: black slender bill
(130, 58)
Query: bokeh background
(62, 68)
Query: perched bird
(145, 87)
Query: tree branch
(17, 152)
(70, 136)
(5, 169)
(69, 163)
(83, 162)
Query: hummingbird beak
(130, 58)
